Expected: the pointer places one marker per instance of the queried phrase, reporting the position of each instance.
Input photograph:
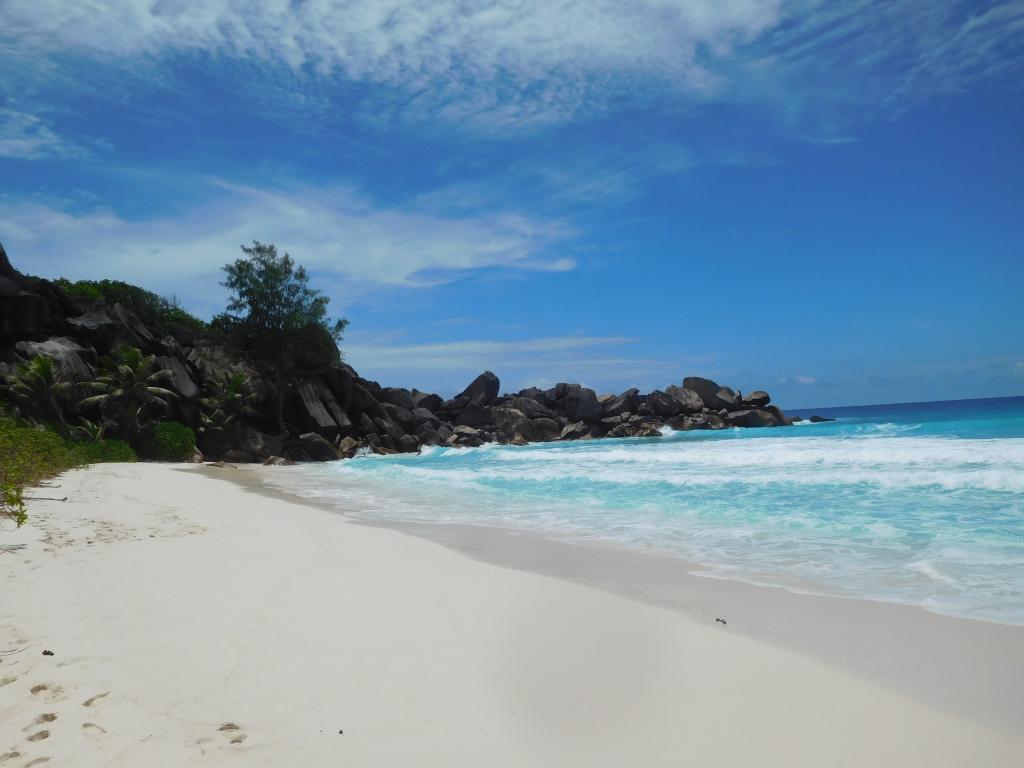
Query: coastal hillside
(190, 374)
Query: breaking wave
(922, 511)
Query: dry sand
(195, 623)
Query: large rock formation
(336, 412)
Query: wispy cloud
(446, 366)
(529, 62)
(24, 136)
(830, 63)
(504, 67)
(351, 243)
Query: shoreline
(894, 644)
(196, 622)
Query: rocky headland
(334, 412)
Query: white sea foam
(884, 512)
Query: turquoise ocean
(916, 503)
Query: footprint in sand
(7, 680)
(93, 730)
(49, 693)
(94, 699)
(232, 731)
(39, 736)
(37, 761)
(47, 717)
(9, 756)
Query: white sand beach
(194, 622)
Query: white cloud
(474, 354)
(841, 59)
(535, 62)
(26, 137)
(448, 366)
(498, 64)
(347, 241)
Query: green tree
(39, 390)
(275, 318)
(128, 390)
(230, 400)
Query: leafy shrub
(12, 506)
(173, 441)
(30, 454)
(104, 452)
(82, 289)
(156, 312)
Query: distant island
(265, 382)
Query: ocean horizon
(913, 503)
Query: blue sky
(821, 199)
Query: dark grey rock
(483, 389)
(407, 444)
(427, 435)
(424, 415)
(580, 403)
(235, 456)
(348, 446)
(756, 399)
(387, 427)
(259, 444)
(366, 425)
(751, 418)
(312, 412)
(662, 405)
(713, 396)
(178, 377)
(545, 430)
(474, 415)
(775, 411)
(400, 415)
(425, 400)
(318, 447)
(72, 359)
(514, 424)
(399, 397)
(579, 430)
(690, 400)
(531, 408)
(334, 408)
(627, 402)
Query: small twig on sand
(45, 498)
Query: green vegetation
(277, 320)
(128, 391)
(37, 389)
(172, 441)
(229, 400)
(160, 315)
(30, 454)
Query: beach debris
(47, 653)
(720, 620)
